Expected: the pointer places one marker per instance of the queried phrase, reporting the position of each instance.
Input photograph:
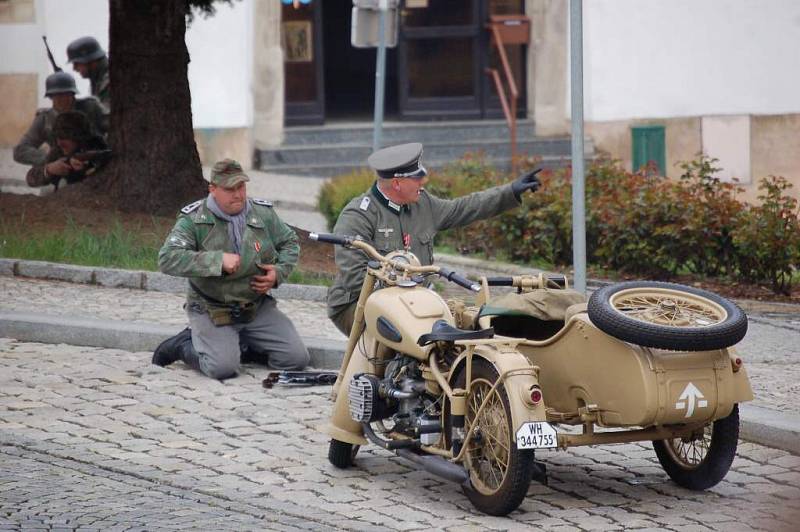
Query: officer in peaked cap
(90, 61)
(234, 250)
(398, 213)
(60, 88)
(398, 161)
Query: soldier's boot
(189, 356)
(169, 350)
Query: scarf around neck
(236, 222)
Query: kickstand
(539, 473)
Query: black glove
(528, 181)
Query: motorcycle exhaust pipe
(437, 465)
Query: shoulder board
(42, 110)
(364, 203)
(191, 207)
(259, 201)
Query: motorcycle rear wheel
(341, 454)
(667, 316)
(700, 463)
(499, 472)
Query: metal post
(578, 160)
(380, 78)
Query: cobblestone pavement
(126, 304)
(769, 349)
(100, 439)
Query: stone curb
(141, 280)
(128, 336)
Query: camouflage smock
(383, 223)
(28, 150)
(195, 246)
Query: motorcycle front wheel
(699, 462)
(499, 472)
(667, 316)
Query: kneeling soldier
(233, 249)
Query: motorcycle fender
(518, 386)
(341, 426)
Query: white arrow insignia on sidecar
(691, 396)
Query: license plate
(537, 435)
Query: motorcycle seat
(444, 332)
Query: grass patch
(117, 247)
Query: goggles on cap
(419, 173)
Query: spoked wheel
(667, 316)
(341, 454)
(701, 461)
(500, 473)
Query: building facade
(663, 81)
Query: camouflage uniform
(28, 151)
(383, 224)
(194, 249)
(72, 125)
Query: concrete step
(329, 170)
(400, 132)
(357, 153)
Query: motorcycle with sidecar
(470, 390)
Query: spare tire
(667, 316)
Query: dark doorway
(350, 72)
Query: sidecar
(653, 361)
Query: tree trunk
(155, 167)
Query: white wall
(220, 48)
(220, 71)
(670, 58)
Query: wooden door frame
(311, 112)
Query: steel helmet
(59, 82)
(84, 50)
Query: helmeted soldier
(60, 88)
(78, 152)
(89, 60)
(234, 250)
(398, 213)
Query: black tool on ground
(299, 378)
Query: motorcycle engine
(399, 396)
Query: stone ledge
(128, 336)
(136, 279)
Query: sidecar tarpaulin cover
(534, 315)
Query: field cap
(228, 173)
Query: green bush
(335, 194)
(637, 223)
(767, 237)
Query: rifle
(56, 68)
(90, 155)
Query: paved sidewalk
(137, 320)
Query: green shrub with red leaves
(637, 223)
(767, 237)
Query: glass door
(439, 59)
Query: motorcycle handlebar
(459, 280)
(558, 280)
(330, 238)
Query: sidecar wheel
(341, 454)
(701, 463)
(667, 316)
(499, 472)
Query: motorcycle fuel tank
(397, 317)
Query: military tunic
(99, 82)
(28, 151)
(385, 225)
(194, 249)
